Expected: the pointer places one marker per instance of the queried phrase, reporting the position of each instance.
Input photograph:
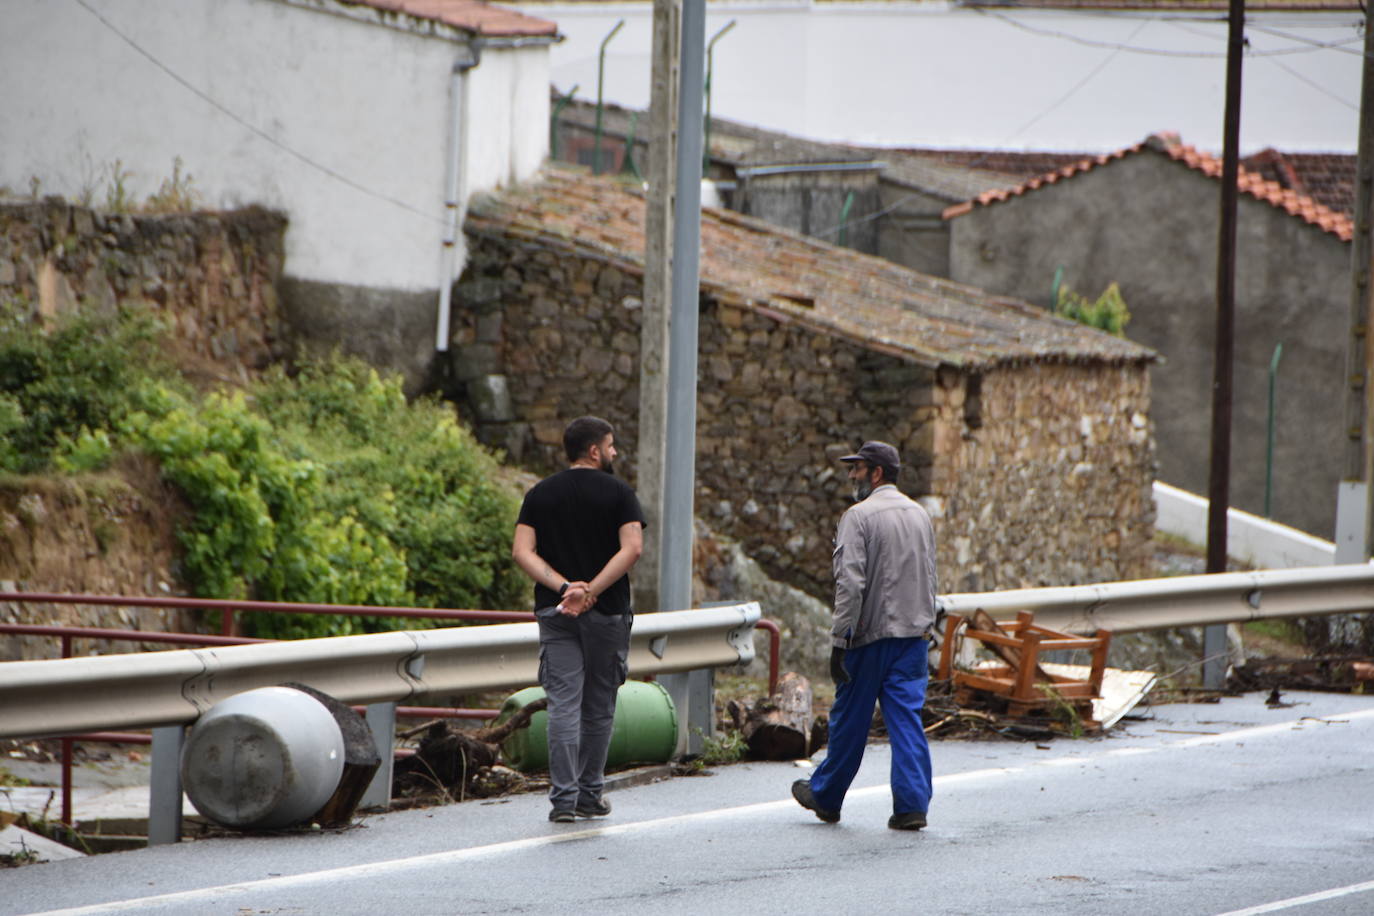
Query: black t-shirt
(576, 515)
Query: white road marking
(1291, 902)
(390, 866)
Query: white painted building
(357, 120)
(1014, 75)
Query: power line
(253, 127)
(1077, 86)
(1158, 52)
(1314, 44)
(1314, 84)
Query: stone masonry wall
(212, 277)
(543, 334)
(1052, 486)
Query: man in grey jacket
(884, 566)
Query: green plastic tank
(645, 729)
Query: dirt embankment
(111, 533)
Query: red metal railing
(228, 611)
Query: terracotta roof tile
(1252, 183)
(470, 15)
(1024, 165)
(1327, 178)
(793, 278)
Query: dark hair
(582, 434)
(889, 475)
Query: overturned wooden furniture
(1020, 686)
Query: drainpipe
(600, 81)
(453, 185)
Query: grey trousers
(582, 663)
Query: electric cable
(214, 103)
(1158, 52)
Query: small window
(973, 402)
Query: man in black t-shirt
(578, 534)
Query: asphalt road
(1199, 809)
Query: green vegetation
(79, 376)
(324, 487)
(727, 747)
(176, 194)
(8, 779)
(1108, 313)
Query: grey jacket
(884, 570)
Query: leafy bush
(80, 375)
(325, 488)
(259, 526)
(409, 470)
(1108, 313)
(11, 421)
(329, 488)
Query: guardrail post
(381, 718)
(164, 790)
(701, 707)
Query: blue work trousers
(892, 672)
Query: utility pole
(1219, 479)
(658, 293)
(1354, 509)
(668, 343)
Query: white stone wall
(338, 121)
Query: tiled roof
(732, 143)
(755, 265)
(1022, 166)
(1328, 178)
(1286, 199)
(470, 15)
(946, 181)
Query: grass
(9, 780)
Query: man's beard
(862, 490)
(607, 466)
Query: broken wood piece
(779, 727)
(453, 758)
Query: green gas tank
(645, 729)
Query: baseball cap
(877, 454)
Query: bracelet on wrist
(562, 589)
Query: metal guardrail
(160, 689)
(1182, 601)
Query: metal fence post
(381, 718)
(164, 790)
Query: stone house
(364, 121)
(1027, 436)
(1145, 218)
